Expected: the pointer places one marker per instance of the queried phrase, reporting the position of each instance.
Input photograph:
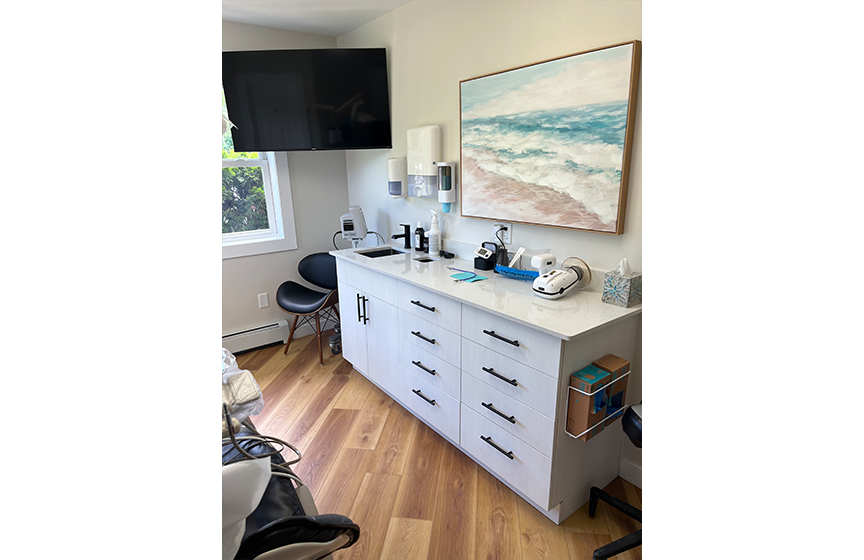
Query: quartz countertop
(575, 314)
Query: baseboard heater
(257, 337)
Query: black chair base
(624, 543)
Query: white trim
(282, 235)
(630, 472)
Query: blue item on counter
(516, 273)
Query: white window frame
(281, 235)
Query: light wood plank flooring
(413, 494)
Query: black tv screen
(322, 99)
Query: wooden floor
(413, 494)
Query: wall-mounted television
(320, 99)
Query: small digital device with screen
(483, 253)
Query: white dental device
(553, 284)
(354, 225)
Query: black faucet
(406, 234)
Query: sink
(373, 253)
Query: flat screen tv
(322, 99)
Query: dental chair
(285, 525)
(267, 511)
(632, 425)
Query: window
(257, 214)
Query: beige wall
(318, 190)
(432, 45)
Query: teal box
(623, 290)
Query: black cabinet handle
(359, 318)
(418, 335)
(427, 308)
(422, 396)
(490, 406)
(365, 313)
(491, 371)
(424, 368)
(499, 337)
(495, 445)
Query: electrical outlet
(263, 301)
(505, 235)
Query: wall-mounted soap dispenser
(424, 149)
(397, 178)
(446, 184)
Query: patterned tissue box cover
(623, 291)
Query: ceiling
(321, 17)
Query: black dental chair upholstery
(632, 426)
(318, 269)
(281, 528)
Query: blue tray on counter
(516, 273)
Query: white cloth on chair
(243, 485)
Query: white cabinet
(370, 326)
(494, 386)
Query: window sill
(259, 246)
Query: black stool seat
(294, 298)
(632, 424)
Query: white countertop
(575, 314)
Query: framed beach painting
(549, 143)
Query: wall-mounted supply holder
(424, 149)
(397, 177)
(446, 184)
(597, 395)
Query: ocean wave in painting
(559, 167)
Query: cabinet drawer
(431, 306)
(436, 340)
(370, 282)
(523, 344)
(523, 422)
(422, 363)
(520, 382)
(418, 395)
(525, 468)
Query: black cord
(499, 237)
(334, 239)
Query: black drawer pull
(422, 396)
(490, 406)
(418, 335)
(495, 445)
(427, 308)
(499, 337)
(424, 368)
(365, 313)
(359, 318)
(491, 371)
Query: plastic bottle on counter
(419, 238)
(434, 235)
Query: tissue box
(622, 290)
(584, 411)
(617, 391)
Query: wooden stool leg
(318, 330)
(291, 334)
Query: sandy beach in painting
(498, 197)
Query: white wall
(319, 193)
(432, 45)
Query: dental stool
(319, 269)
(632, 425)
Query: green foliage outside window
(244, 206)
